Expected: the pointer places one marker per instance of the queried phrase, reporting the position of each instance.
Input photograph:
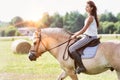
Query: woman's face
(88, 8)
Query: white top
(92, 29)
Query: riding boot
(80, 67)
(79, 63)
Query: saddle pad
(89, 52)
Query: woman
(90, 33)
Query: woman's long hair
(94, 11)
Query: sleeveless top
(92, 29)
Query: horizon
(34, 9)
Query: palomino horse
(48, 39)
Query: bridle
(40, 41)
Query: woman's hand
(73, 36)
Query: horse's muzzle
(32, 57)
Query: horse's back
(111, 51)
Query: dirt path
(16, 76)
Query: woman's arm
(89, 21)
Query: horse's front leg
(62, 76)
(118, 74)
(72, 74)
(69, 73)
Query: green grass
(19, 63)
(19, 67)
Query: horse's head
(46, 40)
(38, 46)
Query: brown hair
(94, 11)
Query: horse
(55, 40)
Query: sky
(34, 9)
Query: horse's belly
(96, 70)
(96, 65)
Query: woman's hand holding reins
(73, 37)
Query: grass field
(19, 67)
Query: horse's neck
(57, 47)
(53, 40)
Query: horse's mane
(57, 33)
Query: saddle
(93, 43)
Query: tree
(73, 21)
(117, 25)
(2, 33)
(111, 17)
(108, 27)
(17, 21)
(103, 17)
(11, 31)
(56, 21)
(45, 21)
(108, 17)
(30, 24)
(118, 16)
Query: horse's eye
(34, 43)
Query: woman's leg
(78, 61)
(77, 57)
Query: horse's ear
(37, 32)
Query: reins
(66, 49)
(60, 45)
(57, 45)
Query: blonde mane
(56, 33)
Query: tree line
(72, 21)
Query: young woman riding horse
(107, 54)
(90, 32)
